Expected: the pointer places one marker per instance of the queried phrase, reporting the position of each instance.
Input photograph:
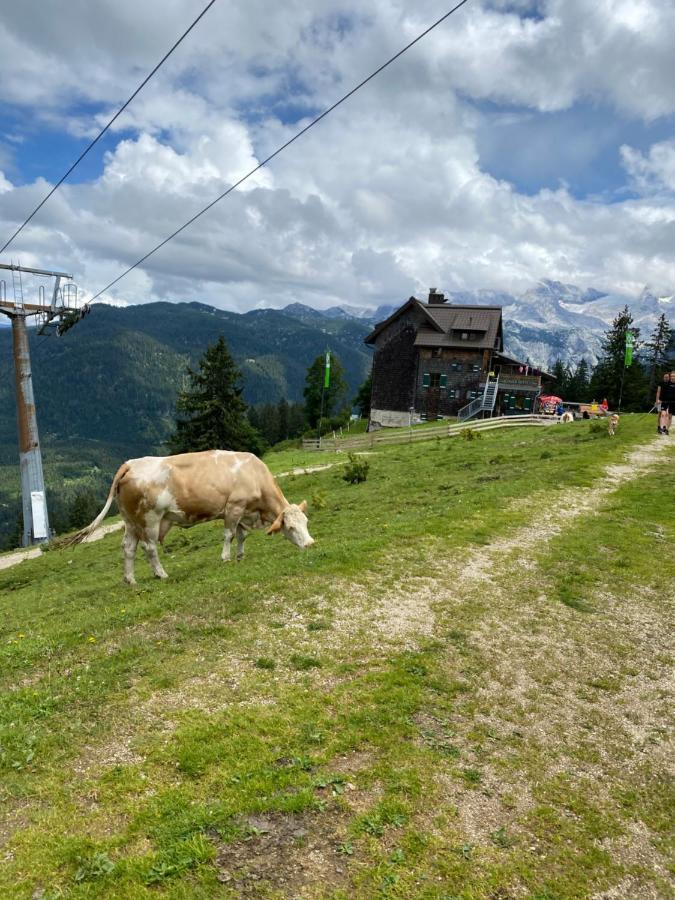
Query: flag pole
(326, 382)
(627, 360)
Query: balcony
(515, 382)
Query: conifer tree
(210, 411)
(657, 350)
(561, 379)
(578, 384)
(611, 375)
(334, 395)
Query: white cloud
(385, 196)
(653, 172)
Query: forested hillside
(106, 390)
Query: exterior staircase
(484, 403)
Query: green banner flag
(628, 355)
(326, 377)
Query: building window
(465, 335)
(443, 381)
(435, 379)
(426, 380)
(476, 367)
(456, 367)
(436, 352)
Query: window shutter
(528, 403)
(443, 382)
(426, 380)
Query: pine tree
(577, 389)
(210, 411)
(334, 395)
(362, 399)
(610, 374)
(561, 379)
(657, 351)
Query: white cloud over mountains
(381, 199)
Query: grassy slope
(371, 718)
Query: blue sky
(520, 140)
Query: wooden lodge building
(439, 359)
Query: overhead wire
(280, 149)
(107, 126)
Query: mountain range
(114, 377)
(548, 322)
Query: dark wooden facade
(431, 359)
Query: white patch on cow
(150, 470)
(237, 463)
(166, 502)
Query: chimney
(435, 297)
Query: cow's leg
(242, 534)
(233, 513)
(129, 545)
(150, 547)
(227, 544)
(164, 528)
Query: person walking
(665, 402)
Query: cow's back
(195, 487)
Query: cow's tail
(91, 528)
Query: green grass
(164, 740)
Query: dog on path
(612, 424)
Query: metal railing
(485, 402)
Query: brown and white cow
(156, 492)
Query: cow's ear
(303, 506)
(276, 525)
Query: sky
(518, 141)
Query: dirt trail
(564, 510)
(13, 559)
(405, 614)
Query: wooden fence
(408, 436)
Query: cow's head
(293, 522)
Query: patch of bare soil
(295, 856)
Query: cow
(154, 493)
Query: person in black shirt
(665, 402)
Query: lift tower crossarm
(18, 268)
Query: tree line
(632, 386)
(211, 411)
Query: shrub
(319, 500)
(598, 427)
(470, 434)
(356, 469)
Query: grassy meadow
(461, 691)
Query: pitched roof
(412, 302)
(442, 319)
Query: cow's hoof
(161, 575)
(225, 559)
(130, 581)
